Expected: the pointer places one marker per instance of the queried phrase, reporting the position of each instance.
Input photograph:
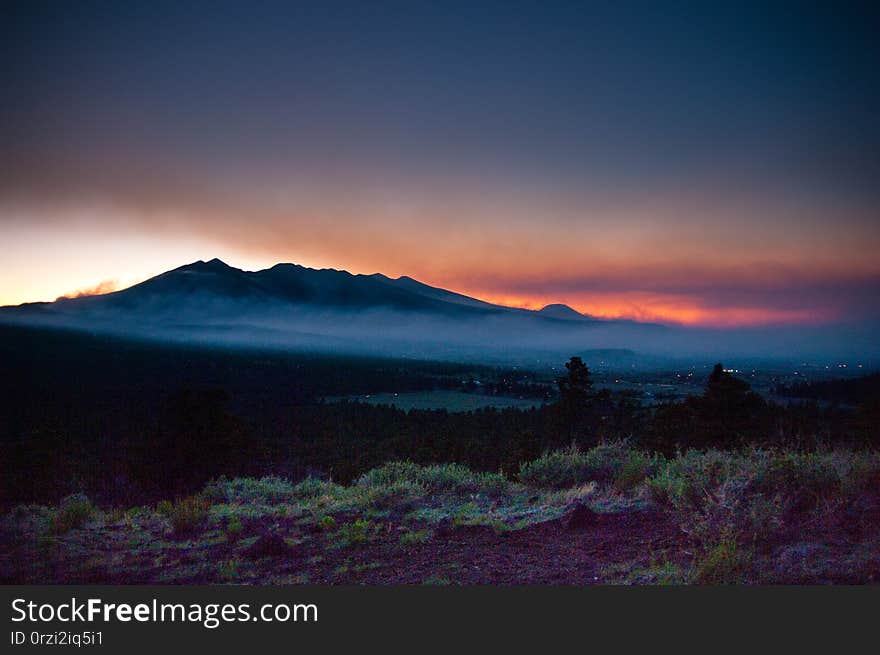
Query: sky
(671, 162)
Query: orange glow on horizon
(682, 311)
(103, 287)
(651, 291)
(636, 307)
(649, 259)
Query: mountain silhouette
(292, 284)
(289, 305)
(562, 312)
(283, 283)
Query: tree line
(196, 435)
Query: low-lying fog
(513, 337)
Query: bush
(603, 463)
(725, 563)
(355, 533)
(271, 490)
(415, 537)
(389, 474)
(189, 515)
(327, 523)
(759, 497)
(692, 479)
(114, 515)
(399, 492)
(234, 527)
(792, 473)
(635, 470)
(434, 478)
(73, 513)
(665, 487)
(312, 488)
(858, 472)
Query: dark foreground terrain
(133, 462)
(131, 422)
(606, 515)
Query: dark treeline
(345, 439)
(133, 423)
(121, 417)
(853, 391)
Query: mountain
(562, 312)
(409, 284)
(283, 284)
(289, 305)
(208, 287)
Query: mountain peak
(211, 265)
(562, 312)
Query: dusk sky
(705, 165)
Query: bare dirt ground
(544, 553)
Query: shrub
(389, 474)
(415, 537)
(165, 508)
(635, 470)
(312, 488)
(763, 518)
(73, 512)
(858, 472)
(271, 490)
(757, 496)
(234, 527)
(448, 478)
(189, 515)
(455, 478)
(228, 570)
(434, 478)
(691, 480)
(573, 466)
(724, 563)
(114, 515)
(578, 494)
(495, 485)
(326, 523)
(792, 473)
(557, 469)
(398, 492)
(355, 533)
(664, 487)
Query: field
(610, 515)
(452, 401)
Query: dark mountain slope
(562, 312)
(283, 284)
(409, 284)
(291, 306)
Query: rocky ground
(613, 547)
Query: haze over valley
(301, 309)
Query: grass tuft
(72, 513)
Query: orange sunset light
(663, 310)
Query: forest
(127, 421)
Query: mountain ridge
(562, 312)
(292, 306)
(297, 284)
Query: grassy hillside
(610, 514)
